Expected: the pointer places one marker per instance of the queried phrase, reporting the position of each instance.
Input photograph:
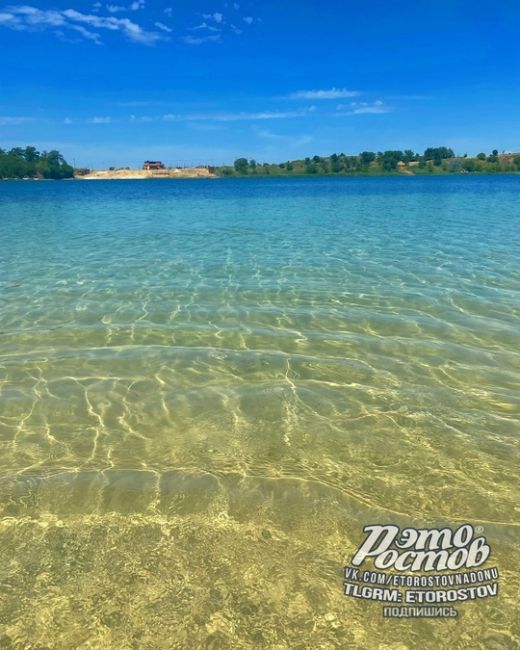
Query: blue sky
(205, 82)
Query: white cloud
(99, 120)
(217, 17)
(34, 16)
(113, 9)
(235, 117)
(363, 108)
(194, 40)
(67, 120)
(332, 93)
(9, 20)
(14, 121)
(168, 11)
(92, 36)
(216, 22)
(204, 25)
(26, 18)
(130, 29)
(371, 110)
(164, 27)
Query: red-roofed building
(150, 165)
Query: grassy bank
(434, 161)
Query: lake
(208, 388)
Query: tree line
(433, 160)
(28, 162)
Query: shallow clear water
(208, 388)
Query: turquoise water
(208, 388)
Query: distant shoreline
(30, 164)
(211, 176)
(186, 174)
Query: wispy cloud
(86, 33)
(131, 30)
(235, 117)
(28, 18)
(220, 25)
(9, 20)
(100, 120)
(199, 40)
(142, 119)
(163, 27)
(363, 108)
(14, 121)
(217, 17)
(203, 25)
(114, 9)
(332, 93)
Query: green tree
(31, 154)
(481, 156)
(53, 157)
(367, 157)
(389, 159)
(16, 152)
(241, 165)
(438, 154)
(20, 162)
(335, 164)
(469, 165)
